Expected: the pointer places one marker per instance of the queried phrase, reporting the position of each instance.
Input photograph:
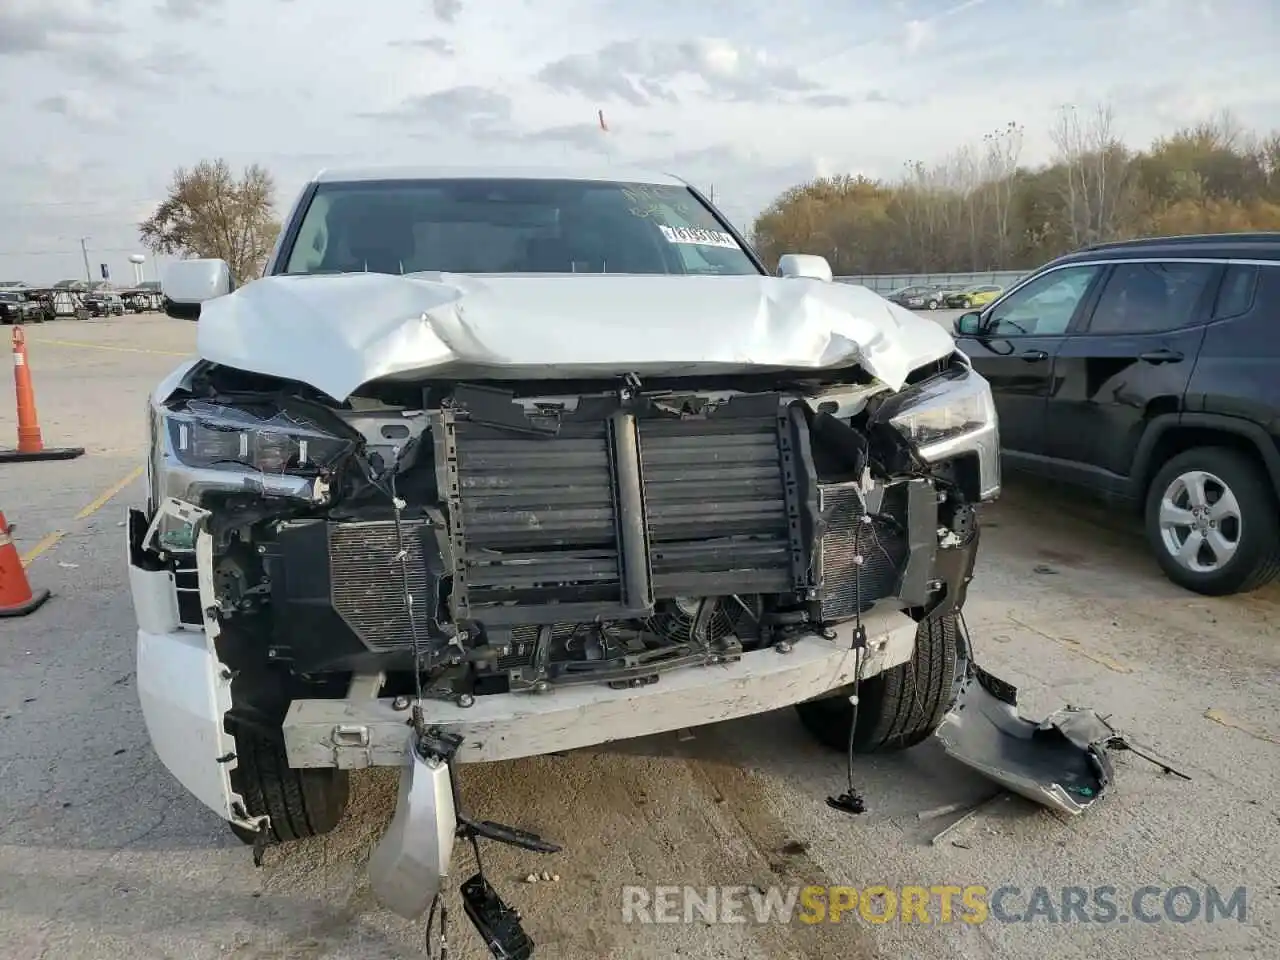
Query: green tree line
(982, 209)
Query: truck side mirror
(189, 283)
(804, 265)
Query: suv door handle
(1033, 355)
(1163, 355)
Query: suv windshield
(512, 226)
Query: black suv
(1149, 371)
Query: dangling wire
(851, 800)
(402, 555)
(437, 904)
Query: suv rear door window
(1236, 294)
(1152, 297)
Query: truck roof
(601, 172)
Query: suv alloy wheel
(1213, 522)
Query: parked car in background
(975, 296)
(59, 303)
(136, 301)
(16, 307)
(104, 303)
(919, 297)
(1145, 371)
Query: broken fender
(1062, 762)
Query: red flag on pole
(603, 126)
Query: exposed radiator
(845, 534)
(535, 520)
(366, 580)
(716, 506)
(617, 509)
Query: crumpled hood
(338, 332)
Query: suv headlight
(939, 415)
(268, 439)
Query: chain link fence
(888, 282)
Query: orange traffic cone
(17, 599)
(30, 445)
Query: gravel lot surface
(103, 855)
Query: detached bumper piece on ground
(411, 861)
(1062, 762)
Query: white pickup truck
(489, 465)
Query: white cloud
(641, 72)
(447, 10)
(436, 45)
(918, 34)
(748, 96)
(80, 107)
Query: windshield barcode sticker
(696, 235)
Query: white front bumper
(363, 732)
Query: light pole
(84, 251)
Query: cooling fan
(706, 620)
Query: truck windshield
(512, 226)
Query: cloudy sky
(101, 99)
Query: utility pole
(84, 250)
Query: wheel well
(1181, 439)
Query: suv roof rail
(1253, 236)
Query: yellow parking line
(43, 546)
(110, 492)
(103, 346)
(1217, 716)
(1074, 646)
(49, 541)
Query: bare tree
(211, 213)
(969, 183)
(1004, 149)
(1096, 168)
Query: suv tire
(899, 708)
(933, 304)
(1251, 525)
(300, 803)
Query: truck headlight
(265, 439)
(938, 415)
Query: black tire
(933, 304)
(899, 708)
(1256, 561)
(300, 803)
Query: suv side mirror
(804, 265)
(968, 324)
(189, 283)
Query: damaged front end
(393, 579)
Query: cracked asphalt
(103, 855)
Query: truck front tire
(300, 803)
(899, 708)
